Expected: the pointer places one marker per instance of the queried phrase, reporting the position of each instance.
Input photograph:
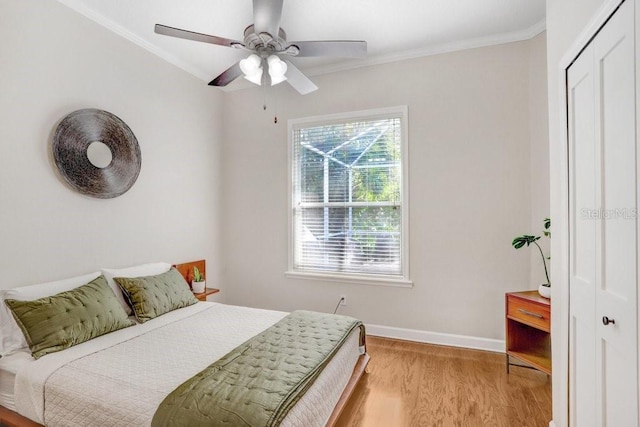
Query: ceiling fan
(268, 42)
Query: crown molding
(497, 39)
(82, 9)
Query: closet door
(616, 349)
(604, 241)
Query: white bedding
(9, 366)
(119, 379)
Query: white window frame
(357, 278)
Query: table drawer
(530, 313)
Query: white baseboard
(437, 338)
(552, 424)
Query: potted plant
(526, 239)
(198, 283)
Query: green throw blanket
(257, 383)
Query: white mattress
(120, 378)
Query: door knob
(606, 321)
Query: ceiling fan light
(277, 69)
(250, 64)
(252, 69)
(255, 77)
(277, 79)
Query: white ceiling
(394, 30)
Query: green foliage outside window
(362, 164)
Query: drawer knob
(606, 321)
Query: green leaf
(197, 276)
(518, 244)
(525, 239)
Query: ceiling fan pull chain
(264, 97)
(275, 109)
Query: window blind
(347, 197)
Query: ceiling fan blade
(266, 16)
(298, 80)
(199, 37)
(338, 48)
(227, 76)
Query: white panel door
(616, 348)
(603, 375)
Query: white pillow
(11, 337)
(151, 269)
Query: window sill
(358, 280)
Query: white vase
(198, 287)
(544, 291)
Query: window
(348, 217)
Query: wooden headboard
(186, 269)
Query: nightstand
(208, 291)
(528, 329)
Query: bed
(125, 377)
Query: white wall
(539, 127)
(565, 21)
(54, 61)
(470, 171)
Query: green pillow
(152, 296)
(69, 318)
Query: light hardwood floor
(413, 384)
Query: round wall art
(96, 153)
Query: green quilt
(257, 383)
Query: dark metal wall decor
(71, 141)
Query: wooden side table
(202, 296)
(528, 329)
